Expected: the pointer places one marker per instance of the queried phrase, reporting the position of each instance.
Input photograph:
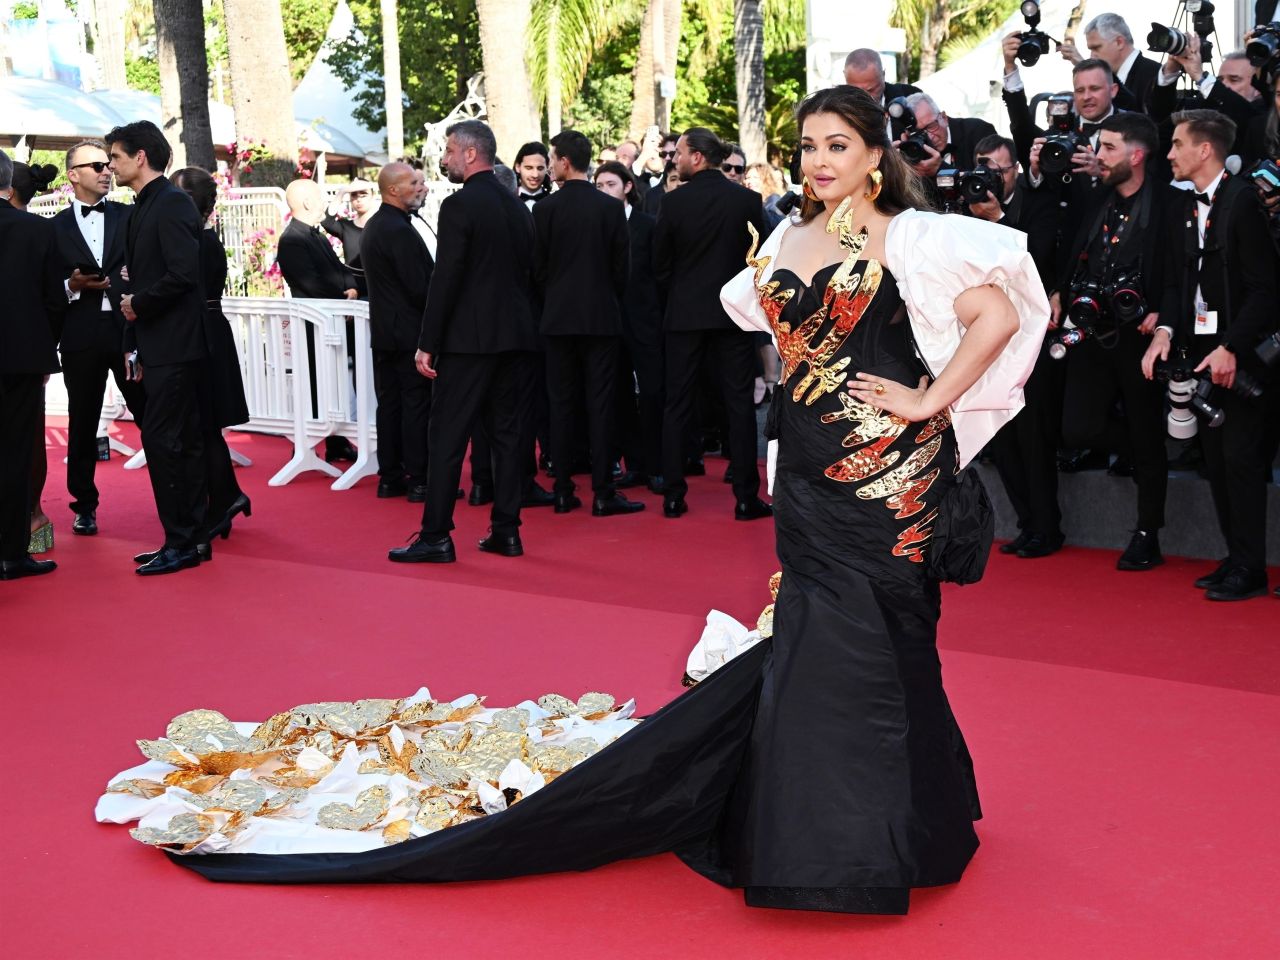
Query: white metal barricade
(270, 336)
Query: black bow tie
(1089, 129)
(530, 196)
(1203, 198)
(99, 207)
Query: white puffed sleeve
(936, 257)
(739, 297)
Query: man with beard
(1122, 237)
(478, 343)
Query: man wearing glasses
(90, 242)
(658, 181)
(951, 141)
(735, 164)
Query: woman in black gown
(823, 770)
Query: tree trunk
(504, 25)
(643, 83)
(673, 23)
(554, 106)
(937, 24)
(261, 87)
(108, 41)
(184, 82)
(748, 56)
(391, 79)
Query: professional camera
(1266, 177)
(947, 183)
(1173, 41)
(913, 147)
(1034, 43)
(1264, 49)
(1188, 396)
(974, 185)
(1062, 341)
(1062, 140)
(1121, 300)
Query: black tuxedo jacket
(641, 307)
(85, 314)
(965, 134)
(581, 258)
(162, 251)
(34, 300)
(1246, 299)
(1164, 101)
(1135, 93)
(1154, 257)
(1036, 213)
(309, 265)
(481, 297)
(700, 242)
(398, 270)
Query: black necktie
(99, 207)
(1203, 198)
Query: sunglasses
(98, 165)
(667, 153)
(738, 168)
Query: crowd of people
(563, 315)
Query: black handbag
(963, 532)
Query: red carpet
(1123, 731)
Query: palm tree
(656, 60)
(184, 81)
(391, 79)
(563, 37)
(932, 26)
(261, 87)
(748, 57)
(503, 30)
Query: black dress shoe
(1040, 545)
(657, 485)
(169, 560)
(1239, 584)
(752, 510)
(695, 468)
(85, 524)
(339, 449)
(1017, 543)
(1077, 460)
(1143, 552)
(627, 479)
(389, 489)
(504, 545)
(481, 493)
(203, 550)
(566, 502)
(26, 567)
(612, 506)
(1216, 577)
(222, 528)
(674, 507)
(417, 493)
(424, 551)
(728, 474)
(535, 495)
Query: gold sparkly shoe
(41, 539)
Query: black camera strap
(1116, 238)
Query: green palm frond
(582, 28)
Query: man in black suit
(640, 377)
(165, 313)
(700, 242)
(864, 69)
(1122, 235)
(1226, 307)
(949, 142)
(313, 271)
(478, 344)
(90, 234)
(1232, 92)
(580, 263)
(1109, 39)
(34, 300)
(1026, 448)
(398, 269)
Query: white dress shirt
(93, 228)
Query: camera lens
(1164, 39)
(1029, 53)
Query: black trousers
(1234, 461)
(85, 374)
(730, 356)
(1026, 451)
(537, 434)
(219, 474)
(174, 443)
(19, 409)
(404, 409)
(495, 391)
(587, 366)
(638, 406)
(1096, 377)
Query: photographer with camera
(1109, 38)
(1232, 92)
(1025, 449)
(1113, 288)
(933, 140)
(1225, 310)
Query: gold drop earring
(877, 181)
(808, 190)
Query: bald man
(397, 268)
(864, 68)
(313, 270)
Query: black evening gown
(820, 770)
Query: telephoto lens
(1213, 416)
(1168, 40)
(1182, 419)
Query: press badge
(1206, 319)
